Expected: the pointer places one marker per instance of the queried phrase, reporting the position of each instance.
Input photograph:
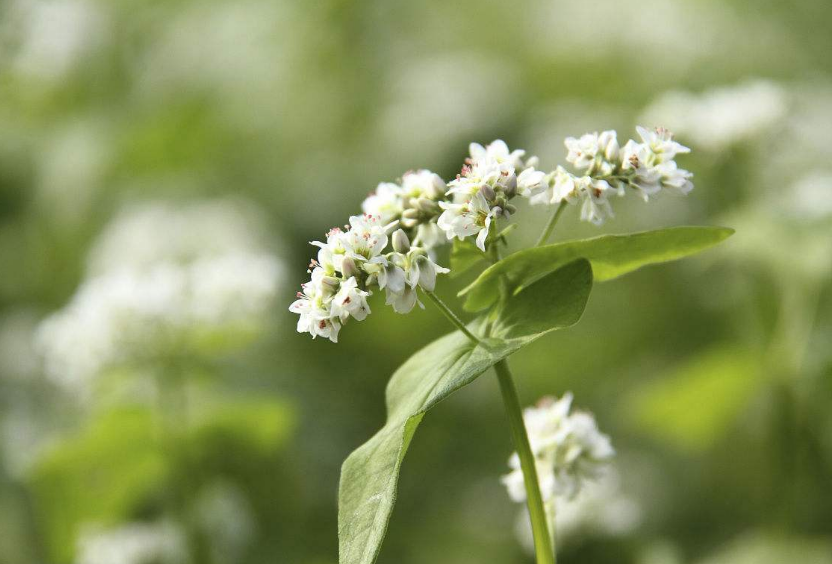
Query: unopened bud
(510, 209)
(330, 284)
(511, 186)
(427, 205)
(488, 192)
(410, 213)
(409, 223)
(401, 244)
(349, 268)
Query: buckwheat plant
(519, 298)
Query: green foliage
(101, 475)
(369, 476)
(691, 409)
(464, 256)
(611, 256)
(123, 464)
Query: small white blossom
(497, 151)
(593, 152)
(422, 184)
(471, 218)
(366, 238)
(350, 301)
(661, 144)
(313, 307)
(385, 202)
(568, 448)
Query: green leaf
(611, 256)
(370, 474)
(464, 256)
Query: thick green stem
(550, 226)
(451, 316)
(543, 540)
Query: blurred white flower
(225, 516)
(720, 117)
(600, 509)
(56, 34)
(163, 294)
(568, 448)
(145, 234)
(135, 543)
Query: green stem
(451, 316)
(544, 541)
(544, 545)
(547, 231)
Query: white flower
(674, 177)
(568, 450)
(661, 144)
(366, 238)
(331, 254)
(385, 203)
(531, 182)
(470, 218)
(350, 301)
(134, 543)
(594, 152)
(498, 152)
(313, 306)
(422, 184)
(422, 271)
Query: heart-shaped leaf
(611, 256)
(370, 474)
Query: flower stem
(452, 316)
(544, 544)
(550, 226)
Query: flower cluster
(608, 169)
(426, 212)
(491, 177)
(568, 448)
(350, 263)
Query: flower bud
(409, 223)
(401, 244)
(510, 188)
(349, 268)
(410, 213)
(427, 205)
(330, 285)
(488, 192)
(510, 209)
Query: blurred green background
(151, 141)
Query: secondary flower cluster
(349, 264)
(426, 212)
(607, 168)
(568, 448)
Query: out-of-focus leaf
(125, 460)
(611, 256)
(100, 475)
(691, 409)
(464, 256)
(759, 548)
(370, 474)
